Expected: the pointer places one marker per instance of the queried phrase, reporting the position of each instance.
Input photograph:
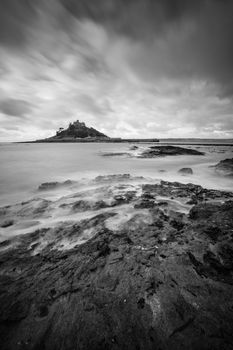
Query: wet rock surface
(225, 167)
(162, 151)
(135, 267)
(154, 152)
(116, 154)
(46, 186)
(186, 171)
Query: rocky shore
(155, 152)
(161, 151)
(120, 262)
(225, 167)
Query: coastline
(196, 142)
(94, 140)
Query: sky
(129, 68)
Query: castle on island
(79, 129)
(78, 132)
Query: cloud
(15, 20)
(15, 108)
(98, 108)
(182, 38)
(129, 68)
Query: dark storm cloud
(15, 108)
(18, 18)
(203, 31)
(133, 17)
(15, 18)
(202, 42)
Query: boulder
(186, 171)
(47, 186)
(225, 167)
(7, 223)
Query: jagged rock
(156, 151)
(161, 278)
(225, 167)
(7, 223)
(111, 178)
(145, 203)
(47, 186)
(192, 201)
(84, 205)
(162, 151)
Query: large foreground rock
(151, 273)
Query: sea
(24, 166)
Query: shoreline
(93, 141)
(133, 141)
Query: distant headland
(79, 132)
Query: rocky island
(120, 263)
(79, 132)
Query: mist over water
(25, 166)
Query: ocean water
(25, 166)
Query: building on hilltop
(79, 124)
(79, 129)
